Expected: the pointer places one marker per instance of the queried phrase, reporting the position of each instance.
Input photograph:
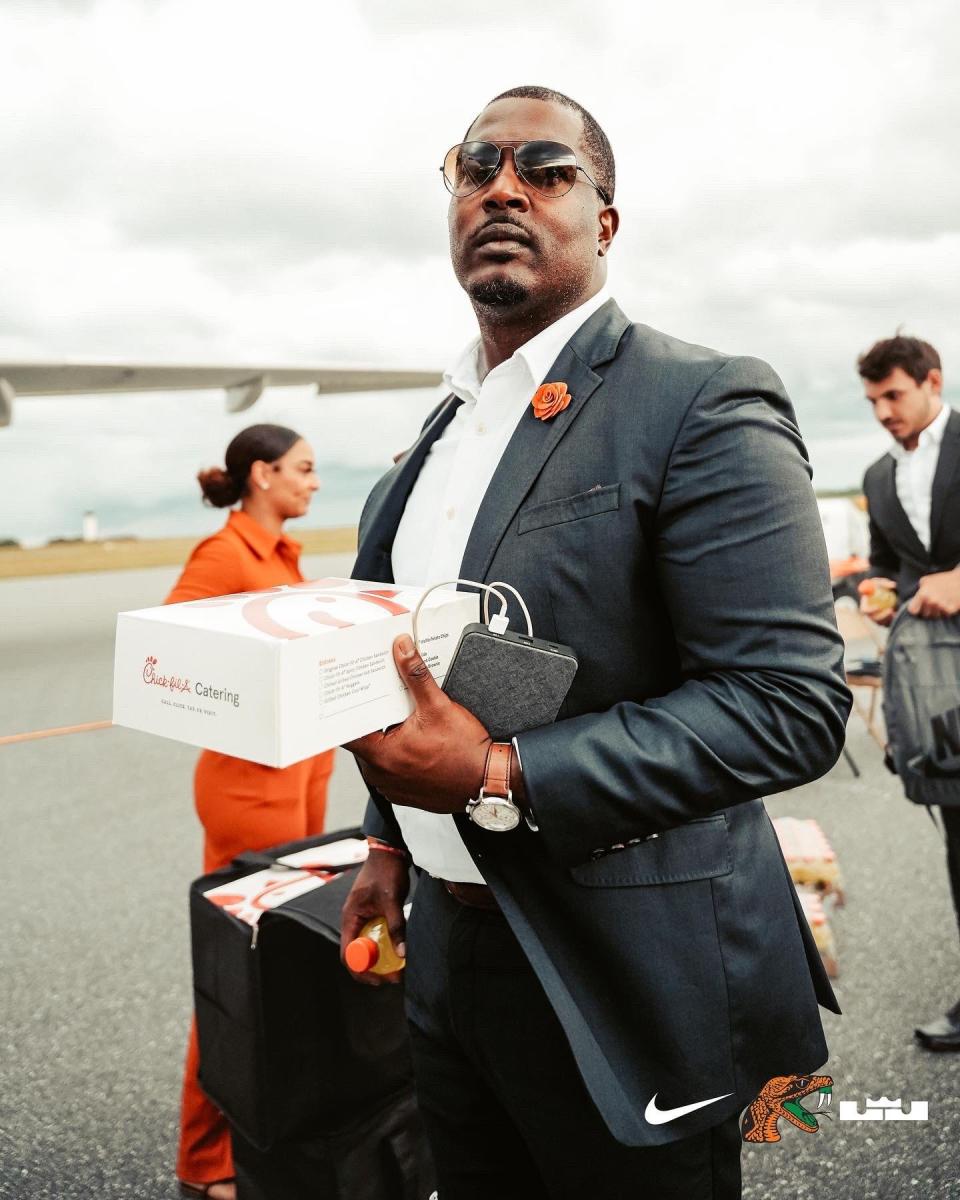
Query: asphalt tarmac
(99, 845)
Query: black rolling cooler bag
(311, 1069)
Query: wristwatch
(494, 809)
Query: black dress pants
(951, 829)
(506, 1111)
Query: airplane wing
(243, 385)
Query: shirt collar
(261, 541)
(535, 356)
(931, 436)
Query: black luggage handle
(259, 860)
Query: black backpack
(311, 1069)
(921, 706)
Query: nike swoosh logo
(660, 1116)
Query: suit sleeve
(213, 569)
(742, 568)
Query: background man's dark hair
(916, 357)
(595, 140)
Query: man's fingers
(866, 587)
(415, 673)
(880, 616)
(397, 928)
(915, 606)
(352, 920)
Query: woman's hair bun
(219, 488)
(257, 443)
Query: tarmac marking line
(35, 734)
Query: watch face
(497, 816)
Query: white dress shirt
(440, 511)
(915, 471)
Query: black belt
(472, 895)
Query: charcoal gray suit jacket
(664, 526)
(895, 550)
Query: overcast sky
(232, 182)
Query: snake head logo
(781, 1097)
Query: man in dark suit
(606, 963)
(913, 497)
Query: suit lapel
(947, 465)
(897, 520)
(374, 551)
(533, 441)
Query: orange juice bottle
(373, 950)
(880, 597)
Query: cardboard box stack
(813, 867)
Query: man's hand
(435, 759)
(938, 595)
(881, 613)
(379, 890)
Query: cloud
(228, 182)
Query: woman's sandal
(201, 1189)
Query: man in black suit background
(606, 965)
(913, 498)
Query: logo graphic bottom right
(782, 1096)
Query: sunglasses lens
(550, 167)
(469, 166)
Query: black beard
(498, 293)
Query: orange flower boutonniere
(550, 399)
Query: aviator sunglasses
(550, 168)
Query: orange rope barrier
(10, 738)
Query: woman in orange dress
(242, 805)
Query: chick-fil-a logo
(255, 606)
(173, 683)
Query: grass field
(72, 557)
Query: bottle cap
(361, 954)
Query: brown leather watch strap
(496, 773)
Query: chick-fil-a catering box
(278, 675)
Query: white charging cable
(500, 616)
(498, 623)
